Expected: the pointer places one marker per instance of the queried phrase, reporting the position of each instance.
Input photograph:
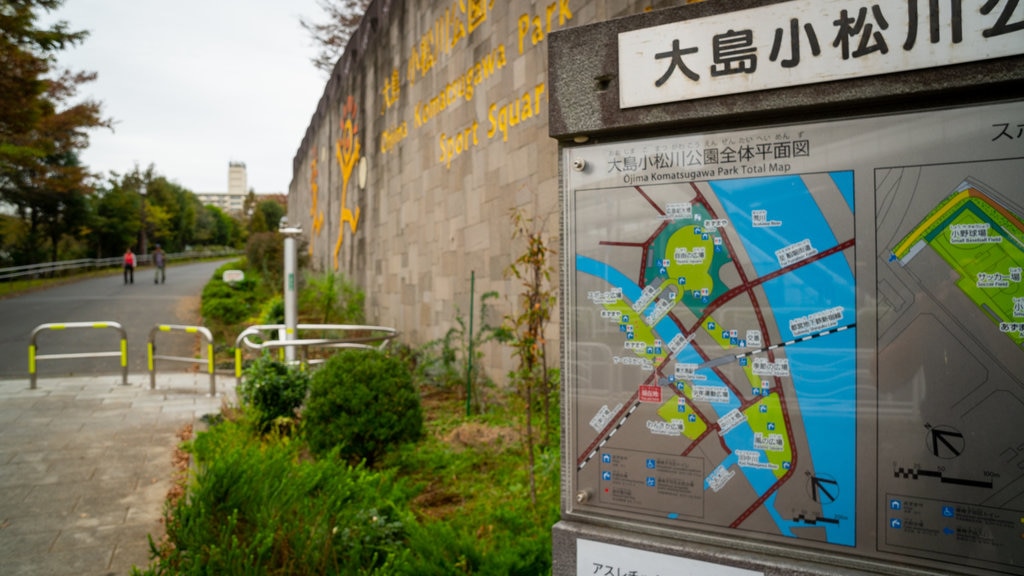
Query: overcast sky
(194, 84)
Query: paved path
(85, 465)
(137, 307)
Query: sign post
(290, 294)
(793, 305)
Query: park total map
(810, 334)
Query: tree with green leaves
(41, 132)
(537, 301)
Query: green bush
(330, 298)
(225, 304)
(361, 403)
(265, 252)
(273, 389)
(272, 311)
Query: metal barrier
(33, 270)
(151, 348)
(358, 336)
(33, 357)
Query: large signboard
(810, 335)
(810, 41)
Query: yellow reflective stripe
(209, 356)
(57, 327)
(149, 356)
(31, 359)
(124, 352)
(165, 328)
(191, 329)
(99, 325)
(238, 362)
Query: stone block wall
(431, 130)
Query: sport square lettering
(810, 41)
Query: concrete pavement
(85, 466)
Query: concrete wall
(444, 104)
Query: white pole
(290, 293)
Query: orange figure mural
(346, 149)
(315, 213)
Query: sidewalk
(85, 465)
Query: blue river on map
(787, 201)
(823, 369)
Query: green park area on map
(984, 244)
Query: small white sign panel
(231, 276)
(810, 41)
(597, 559)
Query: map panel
(747, 305)
(951, 339)
(784, 333)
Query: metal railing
(352, 336)
(33, 357)
(151, 349)
(32, 270)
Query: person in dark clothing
(160, 261)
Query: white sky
(194, 84)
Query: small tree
(343, 18)
(527, 327)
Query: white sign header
(810, 41)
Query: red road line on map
(730, 385)
(608, 428)
(696, 441)
(732, 292)
(778, 484)
(650, 200)
(748, 287)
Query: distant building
(233, 201)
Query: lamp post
(142, 218)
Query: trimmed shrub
(225, 304)
(273, 389)
(361, 403)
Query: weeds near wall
(449, 367)
(329, 298)
(526, 327)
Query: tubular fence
(50, 268)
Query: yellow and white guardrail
(151, 356)
(34, 357)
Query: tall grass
(456, 502)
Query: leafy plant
(331, 298)
(361, 403)
(528, 325)
(447, 362)
(273, 389)
(257, 508)
(440, 506)
(225, 304)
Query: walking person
(129, 266)
(160, 260)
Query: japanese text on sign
(810, 41)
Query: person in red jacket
(129, 266)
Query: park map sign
(811, 335)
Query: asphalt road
(137, 307)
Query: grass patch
(455, 502)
